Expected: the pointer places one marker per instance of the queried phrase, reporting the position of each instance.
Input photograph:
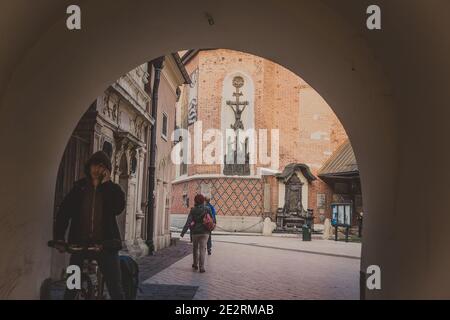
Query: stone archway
(51, 74)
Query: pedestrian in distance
(213, 213)
(200, 223)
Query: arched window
(107, 148)
(133, 163)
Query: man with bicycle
(91, 208)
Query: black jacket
(196, 215)
(112, 204)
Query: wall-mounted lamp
(210, 19)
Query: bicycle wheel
(100, 288)
(87, 289)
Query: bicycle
(92, 282)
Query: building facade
(121, 122)
(239, 92)
(172, 76)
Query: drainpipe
(158, 65)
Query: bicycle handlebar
(75, 248)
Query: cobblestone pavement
(151, 265)
(160, 260)
(148, 267)
(257, 267)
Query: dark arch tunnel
(377, 83)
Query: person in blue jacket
(213, 213)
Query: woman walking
(199, 231)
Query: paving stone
(253, 269)
(166, 292)
(152, 264)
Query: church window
(185, 200)
(133, 164)
(107, 148)
(164, 126)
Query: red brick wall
(277, 101)
(178, 190)
(282, 101)
(319, 187)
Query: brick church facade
(232, 89)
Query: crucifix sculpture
(240, 161)
(238, 82)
